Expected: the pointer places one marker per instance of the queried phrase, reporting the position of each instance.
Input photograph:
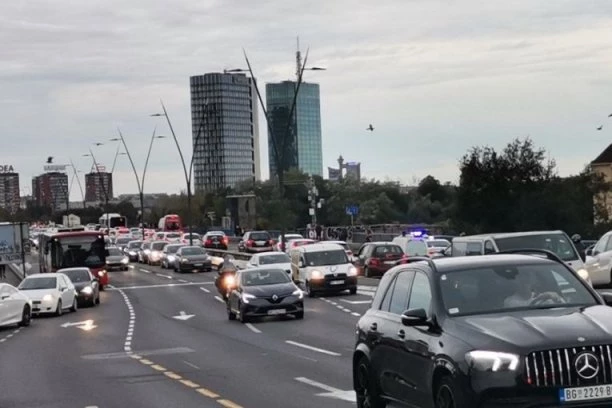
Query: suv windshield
(193, 251)
(38, 283)
(258, 278)
(321, 258)
(274, 259)
(511, 287)
(557, 243)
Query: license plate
(260, 243)
(390, 262)
(277, 311)
(596, 392)
(198, 265)
(337, 282)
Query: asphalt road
(162, 339)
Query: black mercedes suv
(505, 330)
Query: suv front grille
(557, 367)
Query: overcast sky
(433, 77)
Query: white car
(196, 238)
(15, 307)
(288, 237)
(50, 293)
(278, 259)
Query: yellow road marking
(172, 375)
(228, 404)
(207, 393)
(189, 383)
(145, 361)
(158, 367)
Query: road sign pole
(23, 259)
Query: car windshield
(557, 243)
(193, 251)
(78, 275)
(69, 252)
(438, 243)
(158, 246)
(122, 241)
(259, 236)
(146, 245)
(512, 287)
(331, 257)
(38, 283)
(267, 277)
(114, 252)
(171, 249)
(274, 259)
(291, 236)
(134, 244)
(388, 251)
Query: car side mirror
(63, 289)
(589, 252)
(415, 317)
(607, 297)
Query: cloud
(434, 77)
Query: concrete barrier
(17, 270)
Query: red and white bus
(73, 247)
(170, 223)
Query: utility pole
(313, 195)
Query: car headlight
(316, 275)
(246, 297)
(298, 293)
(87, 290)
(132, 253)
(124, 261)
(184, 260)
(47, 298)
(584, 274)
(492, 360)
(170, 258)
(107, 261)
(352, 271)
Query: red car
(376, 258)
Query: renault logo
(586, 365)
(274, 298)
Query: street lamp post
(139, 181)
(279, 149)
(74, 169)
(188, 172)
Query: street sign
(352, 210)
(12, 240)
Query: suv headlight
(298, 293)
(352, 271)
(316, 275)
(492, 360)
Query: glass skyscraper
(302, 147)
(225, 131)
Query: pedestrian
(2, 271)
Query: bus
(170, 222)
(112, 220)
(73, 247)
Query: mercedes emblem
(274, 298)
(586, 365)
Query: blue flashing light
(418, 234)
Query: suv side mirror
(415, 317)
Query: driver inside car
(526, 293)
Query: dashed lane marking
(183, 280)
(228, 404)
(207, 393)
(252, 328)
(219, 299)
(158, 367)
(144, 270)
(189, 383)
(356, 302)
(311, 348)
(191, 365)
(10, 335)
(205, 290)
(172, 375)
(355, 314)
(161, 275)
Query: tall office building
(301, 147)
(225, 130)
(97, 186)
(9, 191)
(51, 190)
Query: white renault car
(50, 293)
(15, 307)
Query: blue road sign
(352, 210)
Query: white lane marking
(127, 345)
(191, 365)
(346, 311)
(355, 314)
(205, 290)
(252, 328)
(356, 302)
(183, 280)
(219, 299)
(2, 340)
(167, 285)
(307, 347)
(371, 294)
(333, 303)
(331, 392)
(367, 288)
(144, 270)
(91, 406)
(161, 275)
(340, 307)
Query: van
(412, 246)
(555, 241)
(323, 268)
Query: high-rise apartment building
(51, 190)
(225, 130)
(9, 190)
(302, 146)
(97, 186)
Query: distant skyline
(433, 77)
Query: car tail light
(209, 241)
(271, 242)
(225, 240)
(374, 262)
(250, 243)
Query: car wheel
(26, 316)
(102, 288)
(299, 315)
(98, 299)
(353, 291)
(309, 290)
(448, 395)
(366, 272)
(59, 311)
(75, 305)
(368, 393)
